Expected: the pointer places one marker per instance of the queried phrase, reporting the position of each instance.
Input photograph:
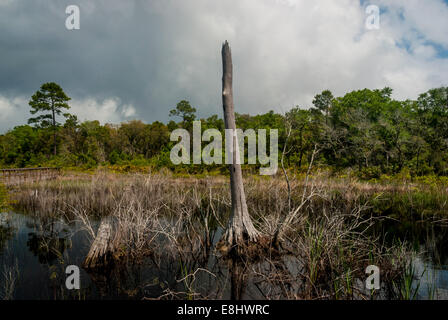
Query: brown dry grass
(178, 221)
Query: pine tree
(50, 100)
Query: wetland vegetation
(166, 233)
(363, 182)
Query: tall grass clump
(9, 276)
(330, 244)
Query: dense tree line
(364, 130)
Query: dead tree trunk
(240, 228)
(101, 248)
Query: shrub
(370, 173)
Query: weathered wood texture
(26, 175)
(240, 228)
(101, 249)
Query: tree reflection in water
(48, 249)
(48, 241)
(7, 231)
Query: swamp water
(34, 255)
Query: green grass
(408, 286)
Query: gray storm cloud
(137, 59)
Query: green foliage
(324, 101)
(365, 132)
(50, 100)
(186, 112)
(370, 173)
(408, 286)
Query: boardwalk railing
(24, 175)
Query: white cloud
(128, 111)
(15, 111)
(429, 18)
(151, 54)
(109, 110)
(286, 51)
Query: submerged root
(250, 250)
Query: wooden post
(240, 228)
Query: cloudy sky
(137, 59)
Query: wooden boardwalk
(27, 175)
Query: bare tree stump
(101, 248)
(240, 228)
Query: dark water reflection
(429, 241)
(37, 253)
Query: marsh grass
(177, 222)
(4, 198)
(407, 287)
(9, 276)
